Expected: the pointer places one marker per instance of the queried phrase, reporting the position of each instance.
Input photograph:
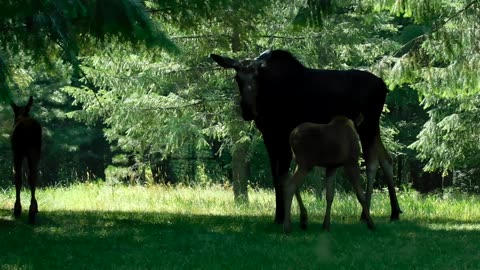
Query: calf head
(22, 111)
(247, 73)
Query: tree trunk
(240, 164)
(400, 164)
(162, 170)
(240, 171)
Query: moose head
(247, 73)
(22, 111)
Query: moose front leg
(280, 158)
(283, 164)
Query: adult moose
(279, 93)
(26, 142)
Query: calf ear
(14, 107)
(225, 62)
(30, 102)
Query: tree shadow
(115, 239)
(6, 219)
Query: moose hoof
(278, 220)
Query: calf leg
(330, 179)
(291, 186)
(303, 210)
(17, 176)
(353, 173)
(32, 180)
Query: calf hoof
(363, 218)
(303, 226)
(17, 210)
(303, 222)
(371, 226)
(395, 215)
(31, 218)
(32, 212)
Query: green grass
(92, 226)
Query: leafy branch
(415, 42)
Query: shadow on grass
(146, 240)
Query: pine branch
(415, 42)
(198, 102)
(286, 38)
(200, 37)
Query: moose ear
(225, 62)
(263, 57)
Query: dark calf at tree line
(331, 145)
(279, 93)
(26, 140)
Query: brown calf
(331, 145)
(26, 142)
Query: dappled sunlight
(455, 226)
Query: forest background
(126, 91)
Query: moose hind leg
(32, 180)
(387, 168)
(17, 176)
(370, 153)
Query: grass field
(92, 226)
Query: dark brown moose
(331, 145)
(26, 142)
(279, 93)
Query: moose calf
(331, 145)
(26, 142)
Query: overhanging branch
(436, 27)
